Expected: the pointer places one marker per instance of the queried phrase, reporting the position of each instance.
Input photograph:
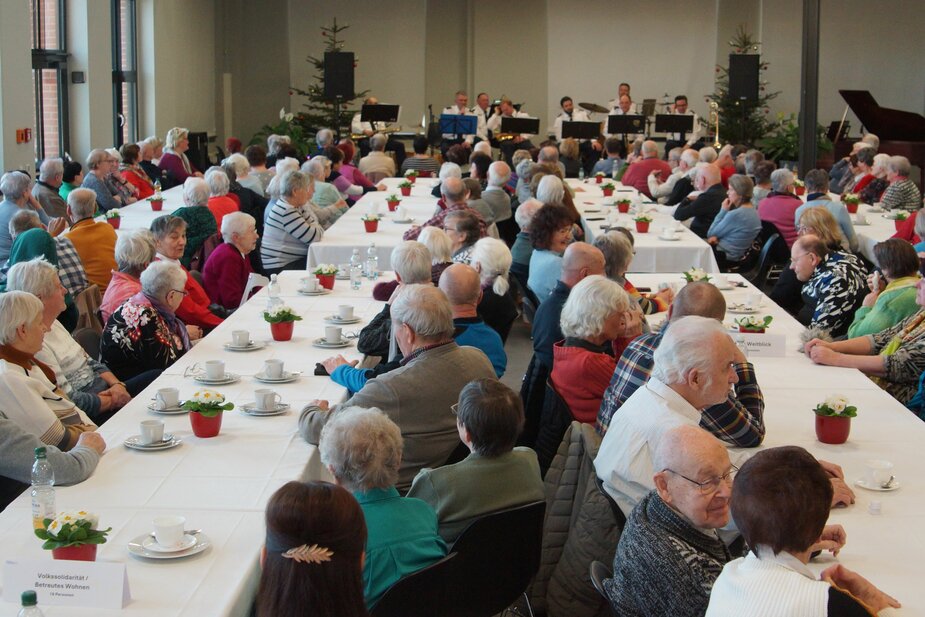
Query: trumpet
(506, 136)
(714, 119)
(385, 131)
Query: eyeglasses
(708, 487)
(793, 260)
(180, 291)
(455, 409)
(450, 229)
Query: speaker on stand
(338, 81)
(744, 72)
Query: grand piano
(901, 132)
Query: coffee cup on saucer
(273, 368)
(152, 431)
(345, 312)
(215, 369)
(310, 283)
(333, 335)
(168, 530)
(721, 280)
(878, 473)
(668, 233)
(166, 398)
(860, 219)
(266, 399)
(753, 299)
(240, 338)
(401, 213)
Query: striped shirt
(287, 233)
(902, 194)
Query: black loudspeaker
(338, 75)
(198, 153)
(743, 76)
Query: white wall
(15, 86)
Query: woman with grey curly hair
(362, 449)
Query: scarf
(183, 160)
(177, 327)
(914, 329)
(26, 361)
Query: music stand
(581, 130)
(457, 124)
(674, 123)
(520, 125)
(625, 124)
(380, 113)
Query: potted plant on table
(114, 218)
(405, 187)
(799, 187)
(754, 325)
(851, 201)
(72, 535)
(371, 222)
(282, 321)
(206, 408)
(623, 205)
(607, 189)
(392, 201)
(411, 175)
(899, 218)
(642, 223)
(157, 201)
(696, 274)
(833, 419)
(599, 177)
(325, 274)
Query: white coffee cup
(168, 530)
(401, 213)
(333, 334)
(167, 398)
(668, 233)
(753, 299)
(721, 280)
(273, 369)
(240, 338)
(310, 283)
(860, 219)
(609, 201)
(215, 369)
(374, 209)
(345, 311)
(152, 431)
(343, 269)
(266, 399)
(879, 472)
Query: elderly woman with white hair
(492, 260)
(174, 163)
(28, 387)
(873, 190)
(275, 144)
(780, 206)
(326, 203)
(16, 187)
(618, 255)
(596, 313)
(447, 170)
(134, 251)
(441, 250)
(227, 269)
(290, 228)
(87, 382)
(117, 182)
(362, 448)
(522, 248)
(250, 201)
(150, 151)
(200, 221)
(145, 334)
(100, 165)
(220, 203)
(242, 172)
(902, 193)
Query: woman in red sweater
(597, 312)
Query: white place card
(764, 345)
(96, 584)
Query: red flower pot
(799, 190)
(114, 222)
(852, 207)
(205, 427)
(746, 330)
(598, 179)
(623, 207)
(157, 204)
(406, 191)
(393, 204)
(371, 226)
(832, 429)
(642, 226)
(326, 280)
(411, 179)
(282, 330)
(84, 552)
(607, 192)
(897, 223)
(425, 174)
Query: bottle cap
(28, 597)
(874, 507)
(40, 452)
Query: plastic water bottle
(372, 262)
(273, 292)
(356, 269)
(43, 489)
(29, 608)
(581, 174)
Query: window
(49, 78)
(124, 72)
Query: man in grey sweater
(418, 395)
(18, 449)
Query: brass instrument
(506, 136)
(714, 119)
(385, 131)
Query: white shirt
(357, 127)
(660, 192)
(482, 130)
(578, 115)
(693, 136)
(494, 123)
(453, 110)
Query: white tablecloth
(139, 214)
(877, 229)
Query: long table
(140, 215)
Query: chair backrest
(376, 176)
(89, 339)
(88, 309)
(199, 258)
(532, 393)
(498, 555)
(418, 594)
(766, 260)
(253, 280)
(555, 419)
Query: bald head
(708, 175)
(548, 154)
(462, 287)
(580, 260)
(649, 149)
(701, 299)
(684, 447)
(454, 190)
(498, 172)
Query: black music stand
(520, 125)
(380, 113)
(625, 124)
(457, 124)
(674, 123)
(581, 130)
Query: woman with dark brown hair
(313, 557)
(550, 233)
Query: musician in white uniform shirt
(623, 90)
(358, 127)
(673, 140)
(461, 108)
(518, 142)
(625, 108)
(590, 149)
(483, 110)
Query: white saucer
(741, 309)
(150, 544)
(334, 319)
(227, 379)
(318, 292)
(251, 409)
(406, 221)
(134, 443)
(286, 377)
(671, 239)
(136, 547)
(170, 411)
(323, 344)
(252, 346)
(865, 223)
(342, 277)
(863, 484)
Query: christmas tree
(321, 111)
(742, 122)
